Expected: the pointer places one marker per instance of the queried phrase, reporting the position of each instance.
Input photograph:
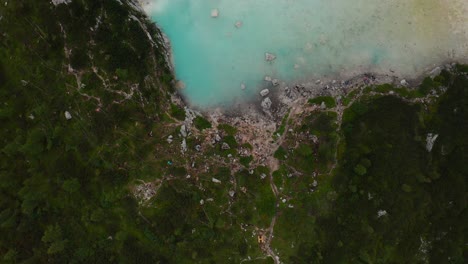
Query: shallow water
(310, 38)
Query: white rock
(225, 146)
(323, 106)
(430, 140)
(270, 56)
(68, 116)
(183, 131)
(31, 116)
(184, 145)
(266, 103)
(202, 202)
(381, 213)
(404, 82)
(58, 2)
(284, 200)
(215, 180)
(435, 72)
(262, 176)
(188, 177)
(264, 92)
(214, 12)
(314, 183)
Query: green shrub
(329, 101)
(201, 123)
(280, 153)
(230, 130)
(177, 112)
(245, 161)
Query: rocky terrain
(103, 162)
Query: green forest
(85, 112)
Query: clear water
(310, 38)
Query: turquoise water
(310, 38)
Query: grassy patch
(245, 161)
(230, 130)
(201, 123)
(328, 100)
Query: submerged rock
(275, 82)
(215, 12)
(238, 24)
(264, 92)
(243, 86)
(270, 56)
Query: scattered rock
(184, 145)
(215, 180)
(31, 116)
(266, 103)
(183, 131)
(323, 106)
(262, 176)
(435, 72)
(404, 82)
(381, 213)
(225, 146)
(264, 92)
(217, 138)
(270, 56)
(430, 140)
(275, 82)
(198, 148)
(314, 183)
(229, 155)
(215, 12)
(232, 193)
(68, 116)
(202, 202)
(267, 78)
(169, 139)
